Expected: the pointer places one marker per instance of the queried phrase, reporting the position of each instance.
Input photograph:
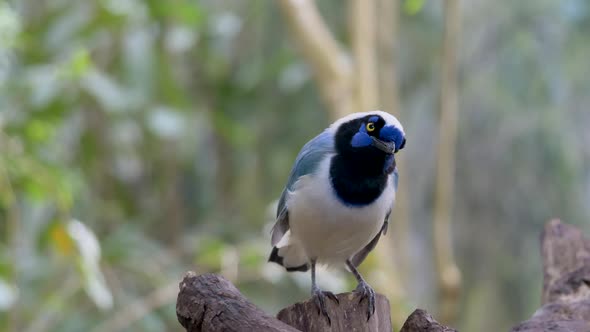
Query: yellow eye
(370, 126)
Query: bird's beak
(387, 147)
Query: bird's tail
(289, 255)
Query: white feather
(324, 228)
(389, 119)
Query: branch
(392, 249)
(387, 18)
(449, 276)
(363, 40)
(320, 47)
(211, 303)
(328, 60)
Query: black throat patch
(357, 181)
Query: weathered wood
(559, 317)
(571, 287)
(566, 284)
(347, 315)
(564, 249)
(421, 321)
(211, 303)
(552, 326)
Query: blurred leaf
(38, 131)
(184, 11)
(10, 27)
(251, 256)
(80, 62)
(236, 133)
(89, 257)
(111, 95)
(8, 295)
(61, 239)
(413, 7)
(34, 190)
(209, 253)
(134, 9)
(167, 123)
(6, 268)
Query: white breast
(324, 227)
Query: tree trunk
(566, 285)
(449, 276)
(329, 62)
(394, 247)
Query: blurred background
(141, 139)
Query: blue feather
(308, 160)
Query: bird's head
(371, 136)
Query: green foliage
(412, 7)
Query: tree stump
(421, 321)
(566, 284)
(347, 315)
(210, 303)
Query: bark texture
(566, 284)
(210, 303)
(348, 315)
(421, 321)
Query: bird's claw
(319, 298)
(366, 292)
(332, 297)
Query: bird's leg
(319, 296)
(363, 289)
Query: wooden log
(211, 303)
(566, 284)
(421, 321)
(347, 315)
(564, 249)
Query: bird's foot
(319, 297)
(366, 292)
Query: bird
(337, 200)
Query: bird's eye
(370, 126)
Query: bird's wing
(306, 162)
(360, 256)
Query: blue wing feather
(307, 161)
